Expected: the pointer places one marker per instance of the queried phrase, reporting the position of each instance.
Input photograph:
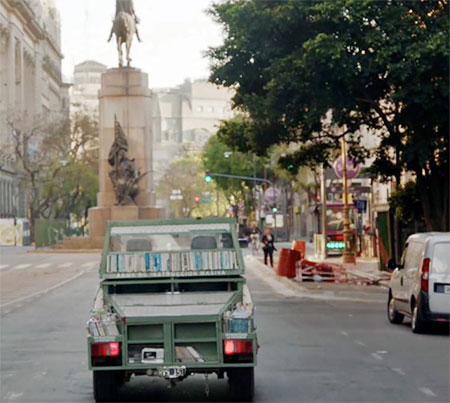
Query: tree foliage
(310, 72)
(186, 174)
(57, 158)
(218, 158)
(405, 201)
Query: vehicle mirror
(392, 265)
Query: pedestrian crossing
(29, 266)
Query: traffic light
(274, 209)
(290, 167)
(197, 199)
(208, 176)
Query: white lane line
(376, 356)
(68, 264)
(344, 333)
(4, 266)
(399, 371)
(90, 264)
(21, 266)
(13, 395)
(44, 291)
(359, 343)
(427, 392)
(43, 266)
(382, 352)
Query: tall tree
(186, 175)
(301, 69)
(55, 156)
(218, 158)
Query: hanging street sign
(353, 168)
(272, 194)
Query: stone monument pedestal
(99, 216)
(125, 95)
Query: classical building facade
(86, 84)
(184, 118)
(30, 82)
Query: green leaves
(302, 69)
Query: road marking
(68, 264)
(399, 371)
(427, 392)
(21, 266)
(359, 342)
(44, 291)
(89, 264)
(13, 396)
(4, 266)
(382, 352)
(43, 266)
(344, 333)
(376, 356)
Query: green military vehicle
(172, 302)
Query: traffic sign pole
(348, 255)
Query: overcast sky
(175, 33)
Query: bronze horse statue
(124, 27)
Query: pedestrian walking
(254, 238)
(268, 241)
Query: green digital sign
(335, 245)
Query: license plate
(447, 289)
(172, 372)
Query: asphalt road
(312, 350)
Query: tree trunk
(434, 195)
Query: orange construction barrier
(287, 261)
(300, 246)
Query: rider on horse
(128, 7)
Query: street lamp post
(348, 254)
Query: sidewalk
(313, 290)
(364, 273)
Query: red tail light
(234, 347)
(339, 237)
(111, 349)
(425, 274)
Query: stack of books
(103, 325)
(172, 262)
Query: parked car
(420, 284)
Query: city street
(322, 350)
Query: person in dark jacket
(268, 241)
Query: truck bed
(173, 305)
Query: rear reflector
(424, 275)
(235, 347)
(111, 349)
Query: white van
(420, 285)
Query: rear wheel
(417, 323)
(105, 385)
(393, 315)
(242, 384)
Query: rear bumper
(429, 316)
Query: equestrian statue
(124, 26)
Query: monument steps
(77, 243)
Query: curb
(303, 292)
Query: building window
(210, 109)
(199, 108)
